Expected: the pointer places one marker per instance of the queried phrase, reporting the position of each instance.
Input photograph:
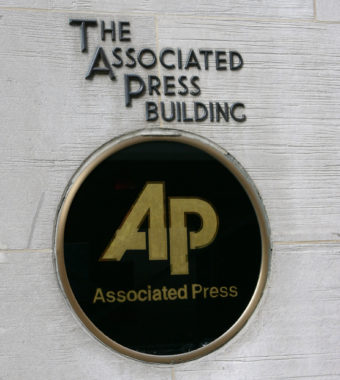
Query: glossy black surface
(232, 259)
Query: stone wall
(52, 119)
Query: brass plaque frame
(161, 134)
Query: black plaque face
(161, 250)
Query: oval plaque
(162, 246)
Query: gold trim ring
(157, 134)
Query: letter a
(94, 68)
(150, 203)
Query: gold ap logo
(151, 204)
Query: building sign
(162, 246)
(189, 64)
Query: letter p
(129, 93)
(179, 207)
